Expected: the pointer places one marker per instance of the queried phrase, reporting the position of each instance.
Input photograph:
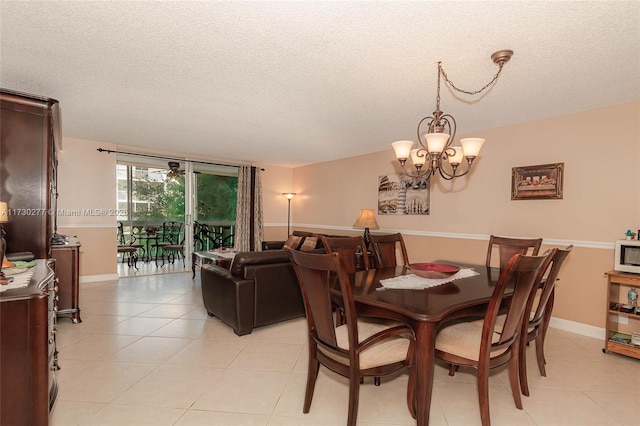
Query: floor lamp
(289, 196)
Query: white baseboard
(577, 328)
(98, 278)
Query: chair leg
(513, 376)
(411, 392)
(483, 395)
(452, 369)
(376, 381)
(522, 365)
(312, 375)
(354, 395)
(540, 354)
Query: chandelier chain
(474, 92)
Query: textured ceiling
(294, 83)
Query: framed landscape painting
(537, 182)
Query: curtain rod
(109, 151)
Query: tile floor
(146, 353)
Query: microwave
(627, 256)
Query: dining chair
(351, 249)
(507, 247)
(386, 249)
(540, 306)
(487, 344)
(355, 349)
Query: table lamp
(367, 220)
(4, 218)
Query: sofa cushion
(293, 242)
(309, 244)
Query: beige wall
(87, 194)
(600, 150)
(276, 181)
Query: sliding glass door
(214, 211)
(196, 200)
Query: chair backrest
(524, 272)
(317, 273)
(121, 234)
(547, 288)
(348, 248)
(507, 247)
(385, 250)
(171, 232)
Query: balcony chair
(129, 250)
(168, 234)
(488, 344)
(355, 349)
(173, 250)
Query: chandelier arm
(471, 92)
(424, 146)
(417, 174)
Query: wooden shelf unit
(618, 285)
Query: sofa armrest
(229, 298)
(272, 245)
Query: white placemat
(19, 280)
(414, 282)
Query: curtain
(249, 227)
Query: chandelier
(435, 146)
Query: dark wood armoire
(30, 131)
(28, 356)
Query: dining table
(425, 311)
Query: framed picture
(399, 194)
(541, 182)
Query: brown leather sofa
(260, 288)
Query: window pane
(156, 198)
(216, 198)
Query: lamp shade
(456, 158)
(471, 146)
(289, 195)
(436, 141)
(4, 212)
(418, 157)
(402, 149)
(366, 219)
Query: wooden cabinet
(29, 133)
(67, 257)
(620, 325)
(28, 350)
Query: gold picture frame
(542, 182)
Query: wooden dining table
(425, 311)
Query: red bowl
(433, 270)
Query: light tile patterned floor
(146, 353)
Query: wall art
(537, 182)
(399, 194)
